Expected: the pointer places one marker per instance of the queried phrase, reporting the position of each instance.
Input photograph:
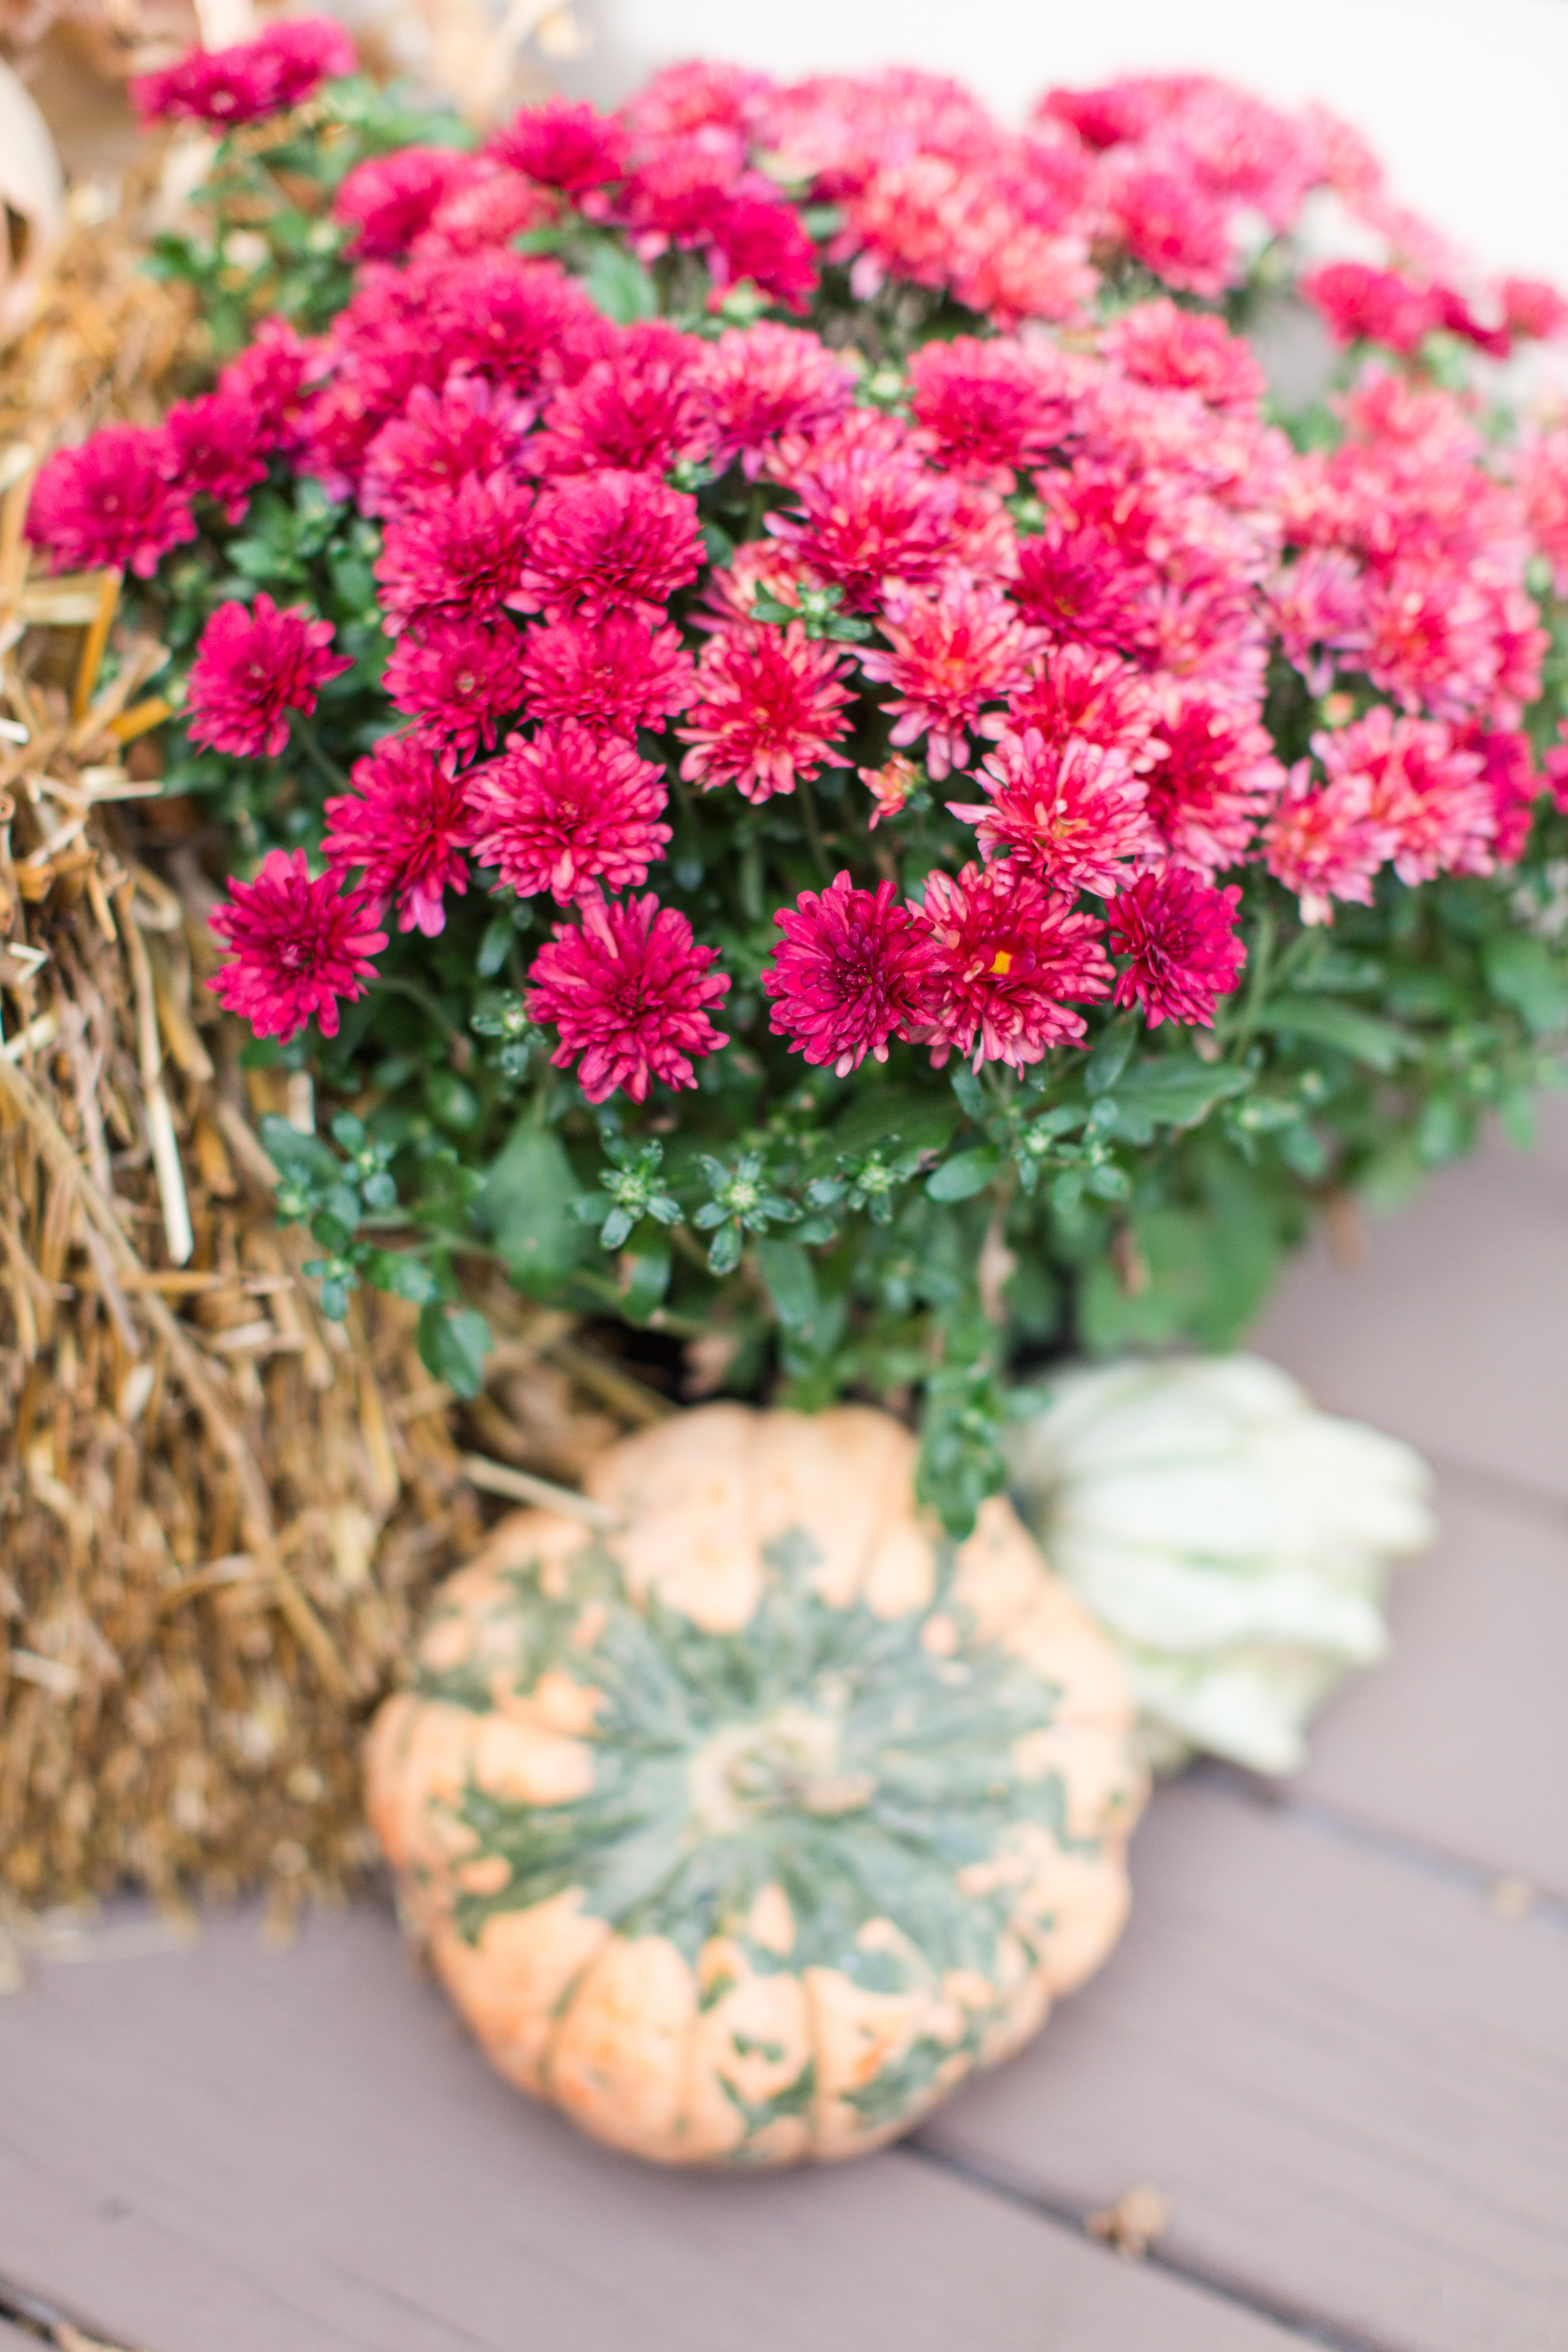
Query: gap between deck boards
(1223, 2287)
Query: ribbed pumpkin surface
(744, 1831)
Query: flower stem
(814, 830)
(311, 744)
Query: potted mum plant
(801, 749)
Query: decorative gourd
(1233, 1541)
(745, 1830)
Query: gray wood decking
(1335, 2035)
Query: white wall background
(1465, 100)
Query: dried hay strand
(220, 1512)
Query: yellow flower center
(1002, 962)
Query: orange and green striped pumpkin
(744, 1831)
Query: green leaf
(453, 1345)
(406, 1277)
(1327, 1022)
(644, 1281)
(791, 1279)
(526, 1205)
(921, 1122)
(1108, 1059)
(293, 1154)
(969, 1173)
(1177, 1090)
(494, 947)
(618, 285)
(724, 1253)
(1523, 971)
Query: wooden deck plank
(1351, 2080)
(1460, 1739)
(1454, 1331)
(232, 2147)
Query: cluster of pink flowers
(286, 63)
(1074, 559)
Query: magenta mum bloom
(567, 811)
(1181, 936)
(629, 991)
(572, 148)
(1012, 957)
(440, 440)
(300, 947)
(854, 971)
(249, 80)
(110, 502)
(768, 711)
(950, 654)
(459, 556)
(217, 451)
(615, 674)
(1073, 812)
(757, 382)
(598, 541)
(460, 678)
(404, 823)
(252, 668)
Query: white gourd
(1233, 1541)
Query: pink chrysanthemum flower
(461, 680)
(300, 947)
(404, 823)
(1359, 302)
(991, 410)
(252, 79)
(1012, 958)
(1215, 780)
(1507, 765)
(1431, 799)
(442, 439)
(637, 413)
(214, 450)
(889, 786)
(950, 654)
(488, 209)
(1430, 637)
(1323, 843)
(601, 541)
(853, 972)
(769, 709)
(252, 669)
(1072, 811)
(1080, 588)
(1174, 227)
(269, 376)
(568, 810)
(615, 675)
(110, 502)
(389, 200)
(570, 148)
(1318, 607)
(757, 382)
(1181, 935)
(679, 190)
(521, 323)
(460, 556)
(758, 238)
(869, 514)
(1079, 692)
(629, 991)
(1532, 308)
(1187, 351)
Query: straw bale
(219, 1513)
